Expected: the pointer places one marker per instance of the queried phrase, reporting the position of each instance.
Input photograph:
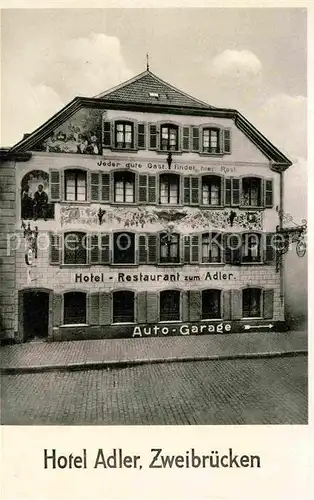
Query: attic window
(154, 94)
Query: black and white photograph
(153, 192)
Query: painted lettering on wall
(187, 167)
(180, 329)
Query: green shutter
(186, 139)
(55, 185)
(152, 248)
(143, 189)
(268, 303)
(104, 248)
(55, 248)
(195, 139)
(235, 192)
(195, 249)
(141, 135)
(105, 188)
(152, 307)
(186, 191)
(227, 141)
(226, 304)
(93, 303)
(187, 250)
(107, 134)
(236, 304)
(268, 193)
(142, 249)
(269, 248)
(152, 136)
(93, 249)
(57, 309)
(104, 308)
(228, 192)
(141, 316)
(94, 186)
(195, 305)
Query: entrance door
(35, 315)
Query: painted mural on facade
(34, 196)
(80, 134)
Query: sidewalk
(96, 354)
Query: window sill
(75, 266)
(170, 264)
(124, 323)
(211, 206)
(73, 325)
(123, 150)
(251, 318)
(252, 207)
(75, 202)
(166, 151)
(172, 321)
(124, 265)
(209, 320)
(218, 153)
(252, 263)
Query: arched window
(74, 308)
(251, 247)
(169, 138)
(169, 248)
(123, 248)
(124, 187)
(251, 192)
(211, 247)
(123, 307)
(211, 304)
(75, 248)
(252, 303)
(169, 305)
(34, 196)
(124, 135)
(75, 185)
(169, 189)
(211, 190)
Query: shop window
(211, 247)
(123, 248)
(123, 307)
(124, 187)
(169, 248)
(124, 135)
(251, 303)
(169, 305)
(169, 138)
(211, 190)
(211, 304)
(75, 248)
(211, 140)
(74, 310)
(34, 196)
(251, 248)
(169, 189)
(75, 185)
(251, 192)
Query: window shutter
(152, 189)
(227, 192)
(104, 308)
(152, 307)
(152, 249)
(94, 186)
(104, 248)
(185, 306)
(107, 134)
(105, 187)
(227, 141)
(195, 305)
(187, 250)
(268, 302)
(232, 248)
(55, 248)
(235, 192)
(195, 139)
(236, 304)
(143, 189)
(141, 307)
(152, 136)
(194, 190)
(142, 247)
(269, 252)
(93, 313)
(186, 139)
(195, 249)
(268, 193)
(141, 135)
(57, 309)
(186, 190)
(93, 249)
(55, 185)
(226, 304)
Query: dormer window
(154, 94)
(169, 138)
(124, 135)
(211, 140)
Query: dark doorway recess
(35, 315)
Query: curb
(92, 365)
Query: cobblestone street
(240, 391)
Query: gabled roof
(148, 88)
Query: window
(169, 138)
(251, 303)
(211, 304)
(123, 248)
(251, 248)
(251, 192)
(124, 135)
(123, 307)
(75, 248)
(211, 190)
(124, 187)
(169, 248)
(169, 189)
(211, 140)
(169, 305)
(75, 185)
(74, 310)
(211, 247)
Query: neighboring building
(143, 194)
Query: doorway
(35, 315)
